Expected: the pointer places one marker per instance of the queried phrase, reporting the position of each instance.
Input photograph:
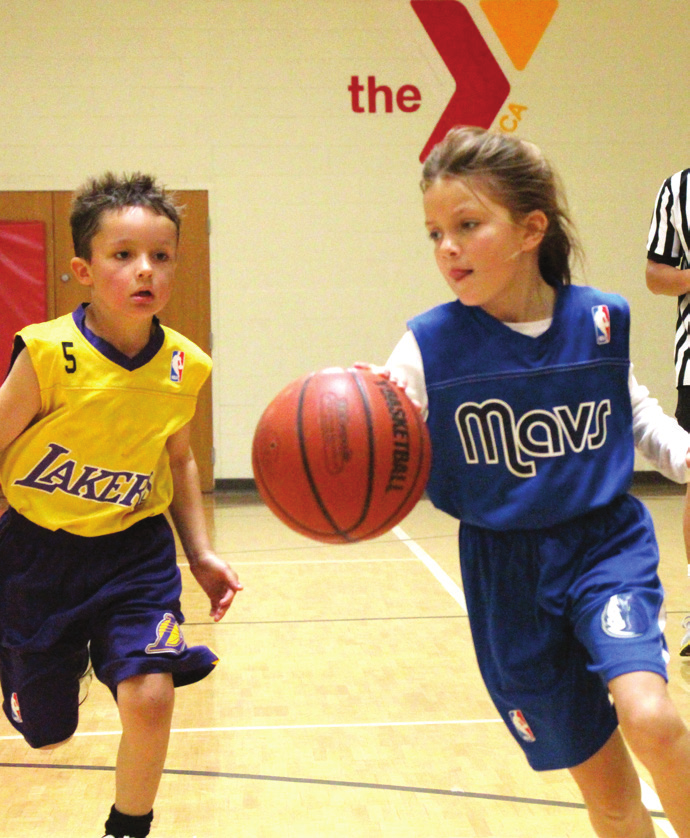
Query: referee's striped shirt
(669, 243)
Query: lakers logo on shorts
(169, 639)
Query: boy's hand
(219, 581)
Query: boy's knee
(147, 697)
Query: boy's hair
(110, 192)
(516, 175)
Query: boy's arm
(216, 577)
(20, 399)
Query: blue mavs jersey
(528, 432)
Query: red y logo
(481, 88)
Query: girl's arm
(20, 399)
(658, 437)
(406, 367)
(216, 577)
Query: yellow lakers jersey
(94, 460)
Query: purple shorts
(64, 597)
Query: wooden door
(189, 310)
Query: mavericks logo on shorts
(624, 616)
(168, 638)
(520, 724)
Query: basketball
(341, 455)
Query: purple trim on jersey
(113, 354)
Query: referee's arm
(667, 279)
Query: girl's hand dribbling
(396, 378)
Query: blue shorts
(63, 596)
(555, 615)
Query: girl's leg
(611, 789)
(659, 739)
(145, 704)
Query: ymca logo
(481, 86)
(492, 428)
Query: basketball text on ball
(401, 437)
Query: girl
(533, 412)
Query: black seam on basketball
(372, 452)
(299, 525)
(307, 469)
(385, 525)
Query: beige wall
(318, 253)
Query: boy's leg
(611, 789)
(657, 735)
(145, 704)
(41, 693)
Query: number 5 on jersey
(71, 364)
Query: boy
(94, 448)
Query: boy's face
(132, 265)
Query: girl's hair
(110, 192)
(516, 175)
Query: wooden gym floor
(347, 703)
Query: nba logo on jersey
(520, 724)
(602, 323)
(177, 365)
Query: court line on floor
(433, 567)
(470, 795)
(307, 621)
(652, 802)
(334, 726)
(313, 561)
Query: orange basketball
(341, 455)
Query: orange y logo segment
(519, 25)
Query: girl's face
(485, 256)
(132, 265)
